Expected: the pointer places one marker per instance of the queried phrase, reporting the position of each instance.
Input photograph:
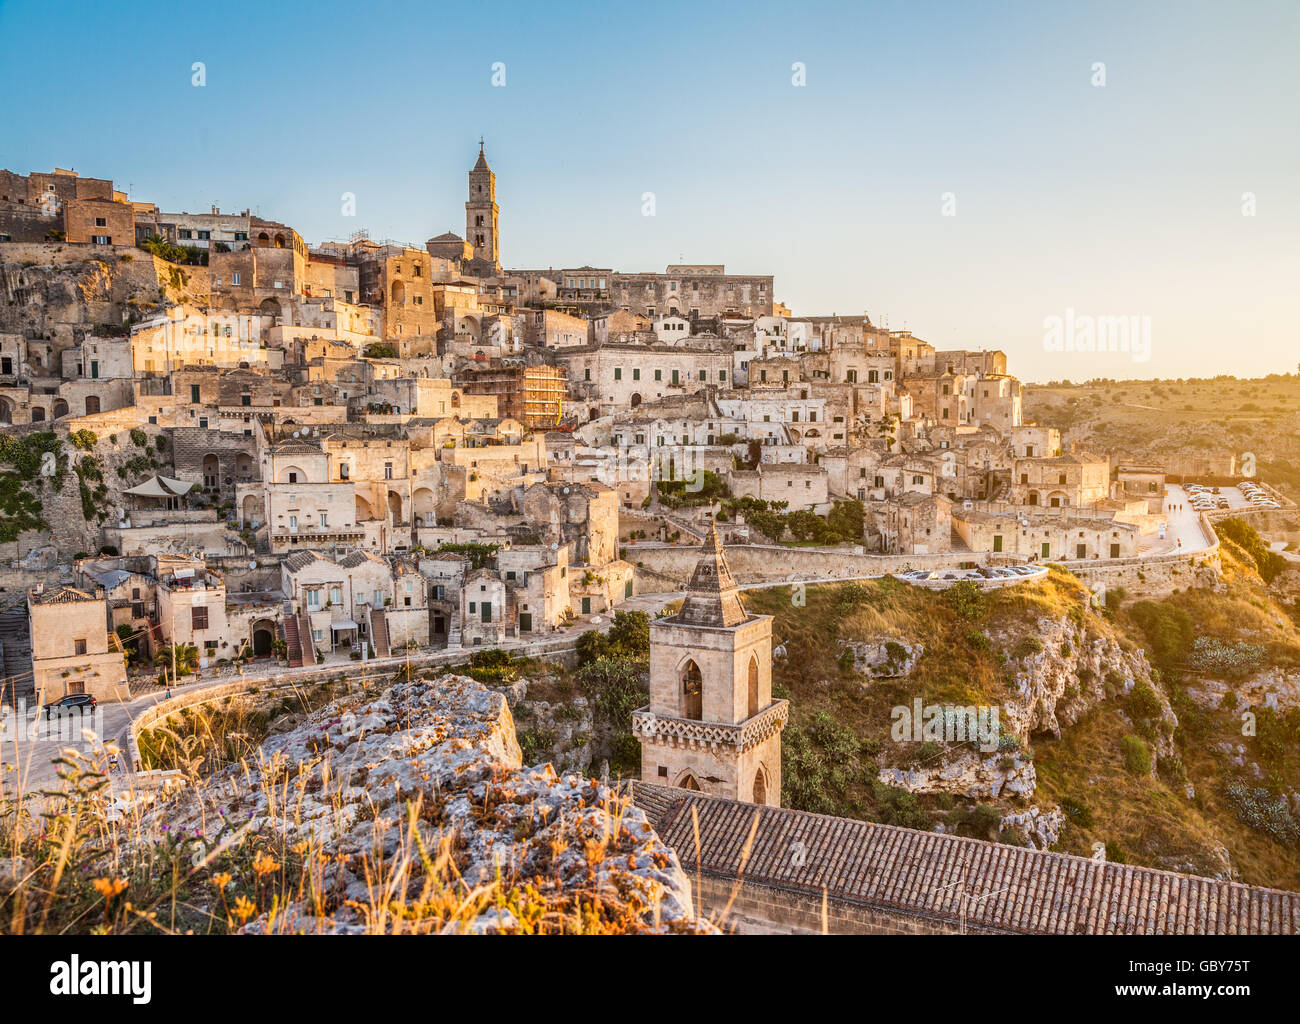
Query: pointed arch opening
(753, 686)
(760, 786)
(692, 691)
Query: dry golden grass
(82, 862)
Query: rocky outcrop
(885, 657)
(972, 775)
(1273, 688)
(427, 774)
(561, 732)
(1041, 829)
(1068, 672)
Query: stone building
(206, 230)
(694, 291)
(71, 652)
(711, 724)
(1073, 480)
(615, 377)
(1144, 482)
(1045, 537)
(191, 609)
(916, 524)
(549, 328)
(804, 487)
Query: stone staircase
(289, 632)
(15, 652)
(379, 632)
(453, 631)
(305, 639)
(687, 526)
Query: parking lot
(1246, 495)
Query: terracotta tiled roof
(913, 872)
(60, 595)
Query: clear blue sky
(1121, 200)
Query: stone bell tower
(481, 211)
(711, 724)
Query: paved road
(1184, 524)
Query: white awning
(159, 487)
(343, 624)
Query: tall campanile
(711, 724)
(481, 211)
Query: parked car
(75, 703)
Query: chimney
(216, 210)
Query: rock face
(885, 657)
(972, 775)
(1272, 688)
(561, 732)
(1041, 829)
(1068, 676)
(388, 786)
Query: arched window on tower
(753, 686)
(692, 691)
(760, 786)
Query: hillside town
(231, 458)
(351, 449)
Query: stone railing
(650, 727)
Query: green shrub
(1172, 769)
(628, 637)
(1142, 703)
(900, 807)
(1026, 647)
(1076, 811)
(980, 821)
(1136, 754)
(1169, 631)
(966, 599)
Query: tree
(186, 658)
(846, 521)
(628, 639)
(129, 641)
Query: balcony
(294, 534)
(691, 733)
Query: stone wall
(761, 563)
(759, 908)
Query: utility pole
(966, 898)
